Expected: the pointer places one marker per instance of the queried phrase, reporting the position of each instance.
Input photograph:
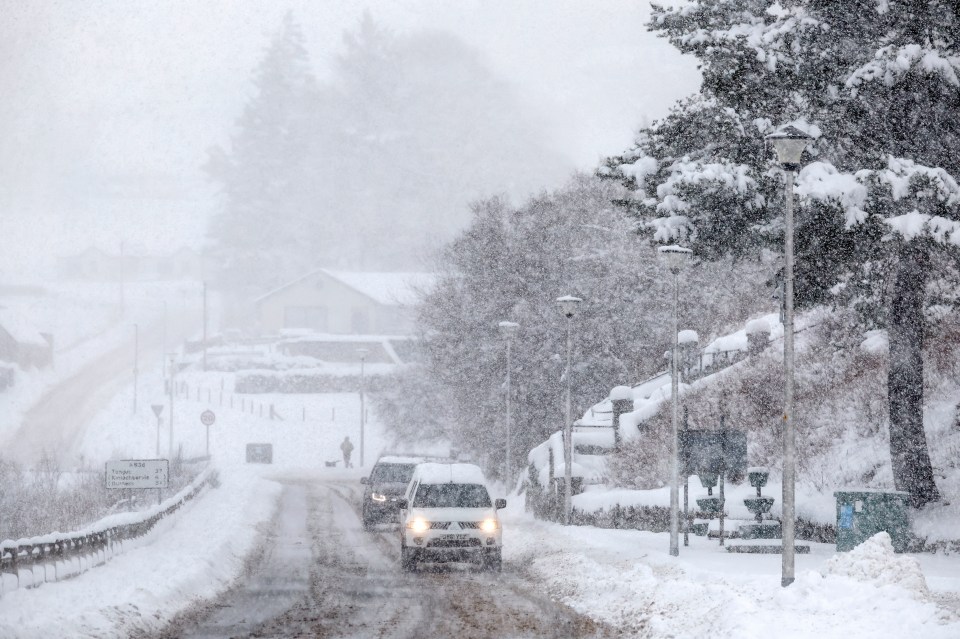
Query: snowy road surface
(321, 575)
(56, 424)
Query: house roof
(389, 289)
(20, 328)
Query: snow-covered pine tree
(876, 84)
(258, 237)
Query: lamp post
(508, 329)
(173, 392)
(362, 352)
(788, 143)
(568, 306)
(675, 257)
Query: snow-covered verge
(629, 580)
(186, 558)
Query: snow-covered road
(357, 589)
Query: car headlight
(418, 525)
(378, 497)
(489, 525)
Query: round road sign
(207, 417)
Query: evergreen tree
(876, 85)
(259, 237)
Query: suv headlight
(378, 497)
(489, 525)
(418, 525)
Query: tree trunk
(912, 471)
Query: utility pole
(122, 300)
(136, 357)
(204, 326)
(363, 418)
(173, 392)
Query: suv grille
(470, 525)
(440, 525)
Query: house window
(312, 317)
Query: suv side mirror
(500, 503)
(364, 480)
(402, 504)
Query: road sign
(157, 409)
(138, 473)
(259, 453)
(207, 417)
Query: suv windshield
(392, 473)
(452, 496)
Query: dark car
(386, 484)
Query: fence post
(304, 413)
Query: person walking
(347, 448)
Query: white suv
(447, 515)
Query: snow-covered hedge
(303, 381)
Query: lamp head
(568, 305)
(362, 352)
(675, 257)
(789, 143)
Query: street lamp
(568, 306)
(676, 258)
(173, 392)
(508, 330)
(788, 143)
(362, 352)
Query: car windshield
(452, 496)
(392, 473)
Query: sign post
(157, 409)
(207, 418)
(138, 473)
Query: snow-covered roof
(387, 288)
(20, 328)
(391, 289)
(401, 459)
(432, 473)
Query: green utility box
(861, 514)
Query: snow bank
(193, 555)
(875, 562)
(629, 580)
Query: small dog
(331, 464)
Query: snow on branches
(902, 182)
(892, 63)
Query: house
(343, 303)
(21, 343)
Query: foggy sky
(109, 106)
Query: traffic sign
(137, 473)
(157, 409)
(207, 417)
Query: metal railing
(66, 553)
